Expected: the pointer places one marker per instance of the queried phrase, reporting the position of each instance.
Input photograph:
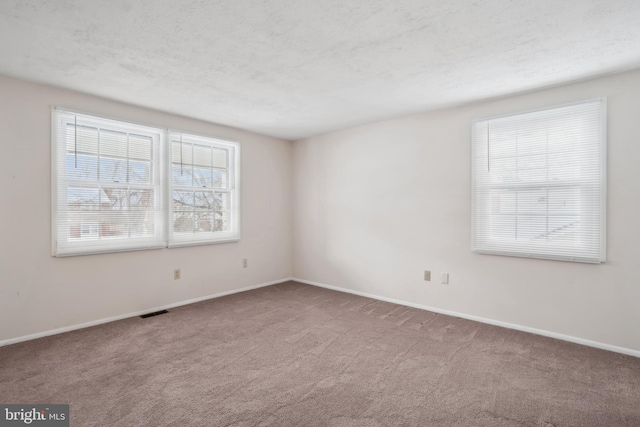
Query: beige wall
(366, 209)
(376, 205)
(40, 293)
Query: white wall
(39, 293)
(376, 205)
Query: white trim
(569, 338)
(203, 138)
(102, 250)
(134, 314)
(536, 110)
(182, 244)
(106, 117)
(537, 256)
(604, 143)
(54, 183)
(237, 173)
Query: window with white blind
(538, 183)
(118, 186)
(107, 192)
(203, 188)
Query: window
(204, 194)
(538, 184)
(110, 184)
(107, 185)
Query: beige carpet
(297, 355)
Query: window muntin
(539, 184)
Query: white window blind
(203, 191)
(538, 184)
(116, 187)
(106, 183)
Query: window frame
(511, 251)
(163, 238)
(233, 189)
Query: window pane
(85, 199)
(141, 199)
(219, 158)
(503, 202)
(564, 201)
(502, 227)
(182, 175)
(221, 201)
(221, 222)
(202, 177)
(183, 201)
(114, 199)
(85, 227)
(113, 170)
(181, 153)
(204, 200)
(82, 139)
(532, 141)
(183, 222)
(502, 170)
(503, 142)
(204, 221)
(531, 228)
(141, 223)
(113, 143)
(534, 161)
(113, 225)
(563, 228)
(140, 147)
(201, 155)
(219, 178)
(89, 230)
(561, 166)
(139, 172)
(532, 202)
(81, 167)
(114, 215)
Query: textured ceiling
(299, 68)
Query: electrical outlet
(427, 275)
(445, 279)
(176, 274)
(244, 263)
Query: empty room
(320, 213)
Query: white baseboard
(137, 313)
(542, 332)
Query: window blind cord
(488, 150)
(75, 141)
(180, 154)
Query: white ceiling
(293, 69)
